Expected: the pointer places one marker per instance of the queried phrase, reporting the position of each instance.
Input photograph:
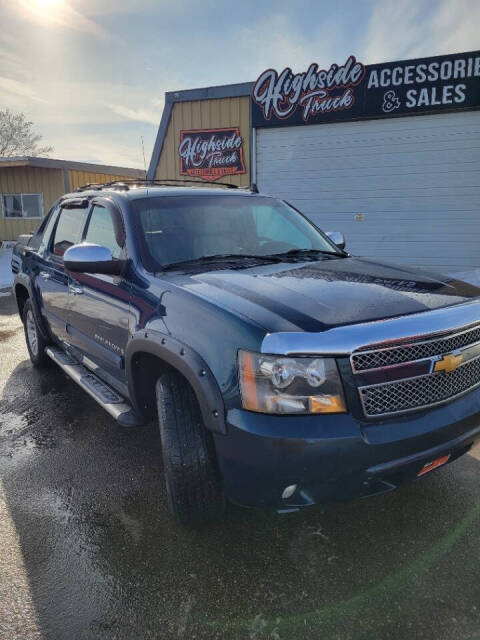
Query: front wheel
(193, 485)
(35, 342)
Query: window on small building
(22, 205)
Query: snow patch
(6, 275)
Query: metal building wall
(79, 178)
(402, 189)
(48, 182)
(205, 114)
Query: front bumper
(337, 457)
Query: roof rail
(132, 182)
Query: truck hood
(315, 296)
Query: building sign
(211, 154)
(352, 90)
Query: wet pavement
(87, 549)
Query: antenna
(144, 161)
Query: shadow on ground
(8, 306)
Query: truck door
(52, 280)
(100, 304)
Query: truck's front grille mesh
(397, 355)
(415, 393)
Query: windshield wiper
(306, 252)
(220, 257)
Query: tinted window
(68, 231)
(187, 227)
(47, 232)
(37, 239)
(102, 231)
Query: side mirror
(92, 258)
(337, 238)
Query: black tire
(35, 345)
(191, 474)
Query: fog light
(289, 491)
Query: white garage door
(401, 189)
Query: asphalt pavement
(88, 550)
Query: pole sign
(352, 90)
(211, 154)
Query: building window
(22, 205)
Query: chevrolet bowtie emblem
(448, 363)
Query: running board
(106, 397)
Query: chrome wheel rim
(32, 333)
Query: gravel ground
(88, 551)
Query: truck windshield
(187, 228)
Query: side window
(102, 231)
(47, 231)
(68, 231)
(36, 239)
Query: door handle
(45, 275)
(75, 289)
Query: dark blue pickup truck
(283, 371)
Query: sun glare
(47, 4)
(47, 11)
(58, 13)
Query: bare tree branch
(17, 137)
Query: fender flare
(190, 364)
(27, 282)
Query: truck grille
(414, 351)
(416, 393)
(386, 388)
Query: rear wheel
(191, 474)
(35, 342)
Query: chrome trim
(78, 373)
(343, 341)
(75, 290)
(87, 252)
(420, 407)
(89, 364)
(406, 345)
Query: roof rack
(126, 184)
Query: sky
(91, 74)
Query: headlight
(273, 384)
